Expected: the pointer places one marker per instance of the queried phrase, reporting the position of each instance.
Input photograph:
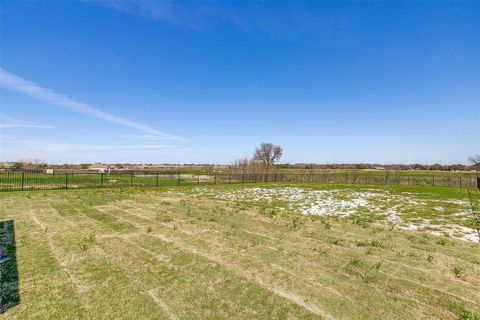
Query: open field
(20, 181)
(282, 251)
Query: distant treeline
(199, 168)
(353, 166)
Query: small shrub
(430, 258)
(83, 247)
(327, 225)
(148, 229)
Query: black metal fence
(20, 181)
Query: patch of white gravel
(346, 202)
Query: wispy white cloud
(47, 145)
(18, 84)
(146, 137)
(19, 125)
(276, 19)
(7, 122)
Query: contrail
(18, 84)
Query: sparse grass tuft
(469, 315)
(355, 262)
(83, 246)
(459, 272)
(335, 242)
(370, 275)
(442, 241)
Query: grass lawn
(242, 252)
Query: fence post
(157, 180)
(101, 179)
(460, 180)
(131, 178)
(23, 178)
(66, 180)
(178, 179)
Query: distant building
(6, 165)
(99, 167)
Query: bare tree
(268, 154)
(475, 160)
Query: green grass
(35, 181)
(159, 253)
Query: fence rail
(20, 181)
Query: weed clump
(335, 242)
(371, 243)
(442, 241)
(468, 315)
(459, 272)
(355, 262)
(295, 223)
(370, 275)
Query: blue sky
(192, 82)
